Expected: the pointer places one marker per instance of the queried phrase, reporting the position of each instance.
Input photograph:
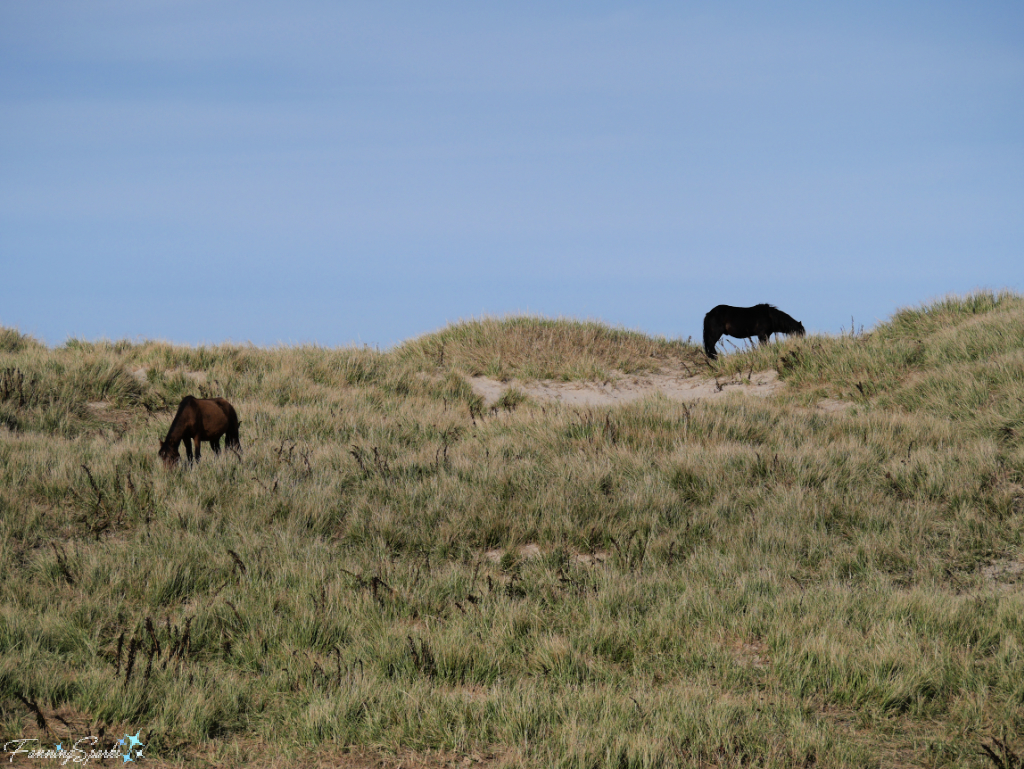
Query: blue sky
(367, 172)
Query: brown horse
(200, 420)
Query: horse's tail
(712, 333)
(231, 439)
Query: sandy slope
(676, 385)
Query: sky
(366, 172)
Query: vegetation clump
(392, 570)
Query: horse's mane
(187, 401)
(784, 322)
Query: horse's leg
(215, 445)
(713, 354)
(763, 338)
(709, 347)
(197, 448)
(188, 450)
(711, 336)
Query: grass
(742, 582)
(538, 348)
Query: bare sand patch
(533, 550)
(749, 653)
(833, 404)
(675, 385)
(1005, 573)
(591, 559)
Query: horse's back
(231, 428)
(213, 417)
(225, 406)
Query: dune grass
(392, 568)
(528, 347)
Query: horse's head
(169, 454)
(787, 324)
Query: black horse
(761, 320)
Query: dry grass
(539, 348)
(392, 575)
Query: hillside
(396, 570)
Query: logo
(128, 749)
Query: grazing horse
(200, 420)
(761, 320)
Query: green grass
(742, 582)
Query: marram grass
(394, 570)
